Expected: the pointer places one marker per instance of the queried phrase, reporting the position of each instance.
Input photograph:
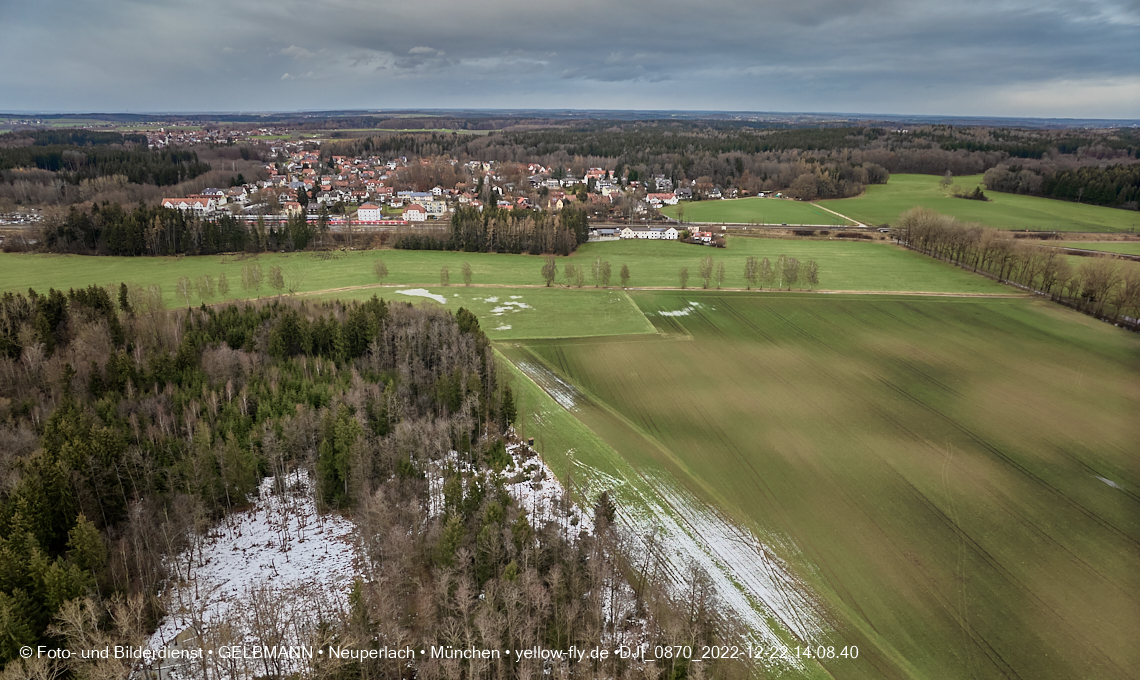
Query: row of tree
(502, 231)
(108, 229)
(1104, 287)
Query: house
(369, 213)
(415, 213)
(657, 200)
(291, 208)
(650, 233)
(198, 206)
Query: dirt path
(857, 222)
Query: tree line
(109, 229)
(74, 163)
(1103, 287)
(503, 231)
(127, 429)
(1115, 186)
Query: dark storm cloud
(992, 58)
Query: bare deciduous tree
(705, 270)
(549, 270)
(380, 270)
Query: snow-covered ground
(685, 311)
(540, 494)
(563, 392)
(512, 306)
(420, 292)
(264, 576)
(677, 532)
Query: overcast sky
(1041, 58)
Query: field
(953, 480)
(1126, 248)
(883, 203)
(756, 211)
(509, 313)
(844, 265)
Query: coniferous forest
(127, 430)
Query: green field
(953, 479)
(1124, 247)
(509, 313)
(844, 265)
(755, 211)
(883, 203)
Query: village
(376, 193)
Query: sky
(1019, 58)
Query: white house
(199, 205)
(415, 213)
(369, 213)
(651, 233)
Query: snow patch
(684, 311)
(491, 300)
(420, 292)
(537, 491)
(280, 556)
(504, 327)
(563, 392)
(1108, 482)
(510, 307)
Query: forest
(126, 430)
(1116, 186)
(77, 155)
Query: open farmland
(1124, 248)
(883, 203)
(844, 265)
(756, 211)
(953, 481)
(510, 313)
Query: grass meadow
(844, 265)
(756, 211)
(510, 313)
(1125, 248)
(955, 479)
(883, 203)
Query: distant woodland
(1089, 166)
(127, 429)
(830, 162)
(68, 167)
